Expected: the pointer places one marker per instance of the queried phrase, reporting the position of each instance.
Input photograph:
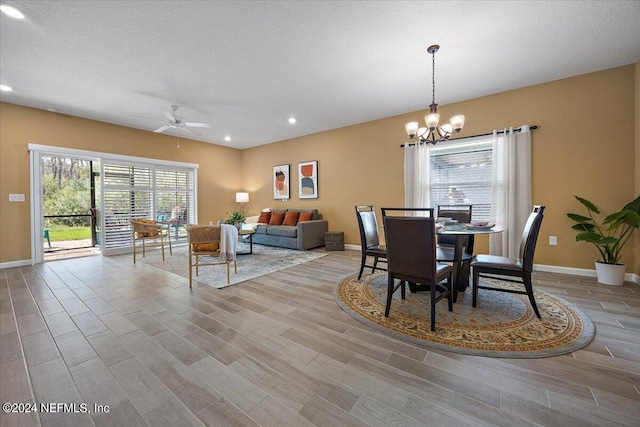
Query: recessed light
(227, 138)
(5, 88)
(11, 11)
(292, 120)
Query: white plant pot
(610, 274)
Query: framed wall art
(308, 180)
(281, 182)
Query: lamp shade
(242, 197)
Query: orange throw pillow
(305, 216)
(151, 232)
(206, 247)
(291, 218)
(264, 218)
(276, 218)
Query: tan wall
(218, 176)
(584, 145)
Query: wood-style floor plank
(278, 351)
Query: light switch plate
(16, 197)
(553, 240)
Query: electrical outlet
(553, 240)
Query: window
(460, 172)
(174, 194)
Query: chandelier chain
(433, 76)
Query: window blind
(461, 174)
(132, 191)
(175, 194)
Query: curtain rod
(532, 127)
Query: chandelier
(433, 133)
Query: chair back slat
(411, 247)
(198, 234)
(407, 212)
(530, 237)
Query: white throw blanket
(228, 241)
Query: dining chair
(145, 230)
(446, 243)
(411, 254)
(496, 267)
(369, 239)
(207, 242)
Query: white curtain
(511, 201)
(416, 174)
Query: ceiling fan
(173, 121)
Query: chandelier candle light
(434, 133)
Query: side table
(250, 234)
(334, 241)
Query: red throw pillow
(265, 217)
(291, 218)
(305, 216)
(276, 218)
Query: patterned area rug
(264, 260)
(502, 324)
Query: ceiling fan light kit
(432, 133)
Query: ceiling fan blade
(147, 118)
(190, 131)
(161, 129)
(169, 116)
(198, 125)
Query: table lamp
(242, 198)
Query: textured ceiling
(245, 66)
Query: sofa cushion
(265, 217)
(291, 218)
(262, 229)
(276, 218)
(305, 216)
(283, 231)
(315, 213)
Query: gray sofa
(305, 235)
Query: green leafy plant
(610, 236)
(235, 217)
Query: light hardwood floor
(278, 351)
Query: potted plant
(609, 237)
(236, 218)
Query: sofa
(301, 234)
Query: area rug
(264, 260)
(502, 324)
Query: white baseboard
(11, 264)
(579, 271)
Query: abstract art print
(281, 182)
(308, 180)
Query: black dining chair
(446, 243)
(369, 239)
(496, 267)
(411, 255)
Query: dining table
(459, 231)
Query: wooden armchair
(205, 242)
(148, 230)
